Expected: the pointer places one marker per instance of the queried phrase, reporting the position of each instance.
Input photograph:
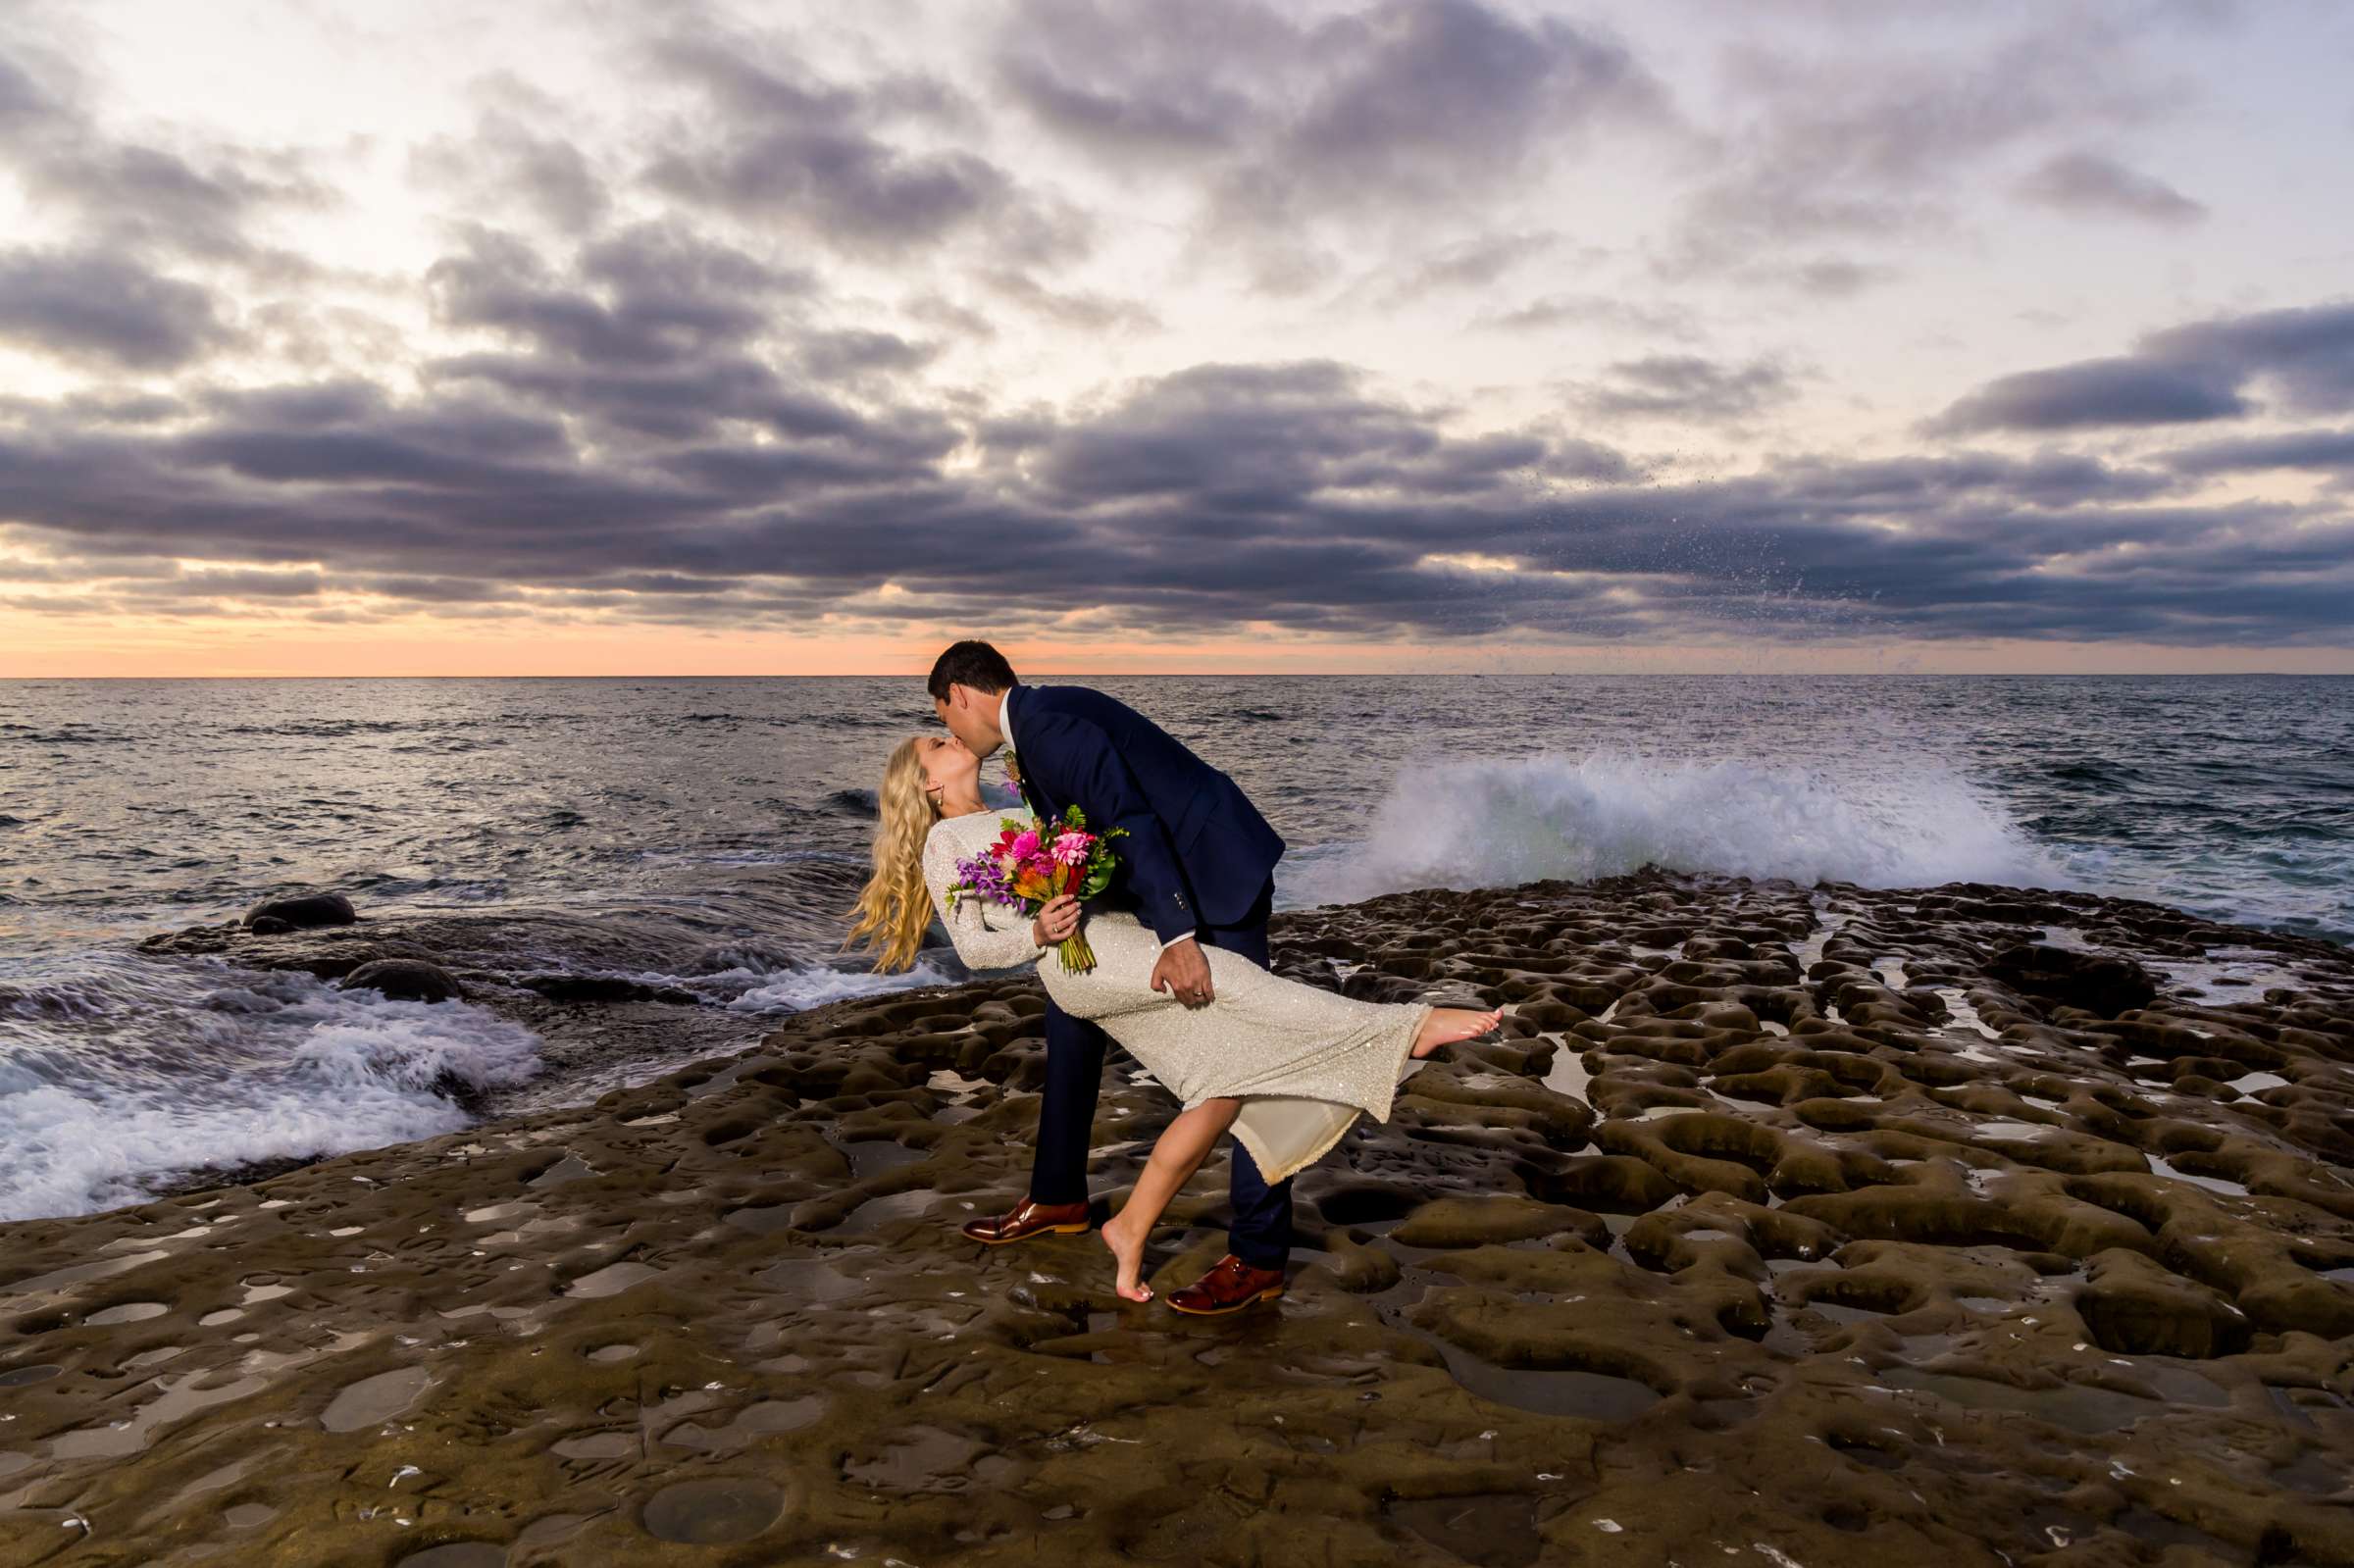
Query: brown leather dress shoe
(1026, 1220)
(1229, 1286)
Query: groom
(1198, 864)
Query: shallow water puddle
(178, 1400)
(1552, 1392)
(880, 1211)
(571, 1168)
(611, 1280)
(2075, 1408)
(501, 1211)
(550, 1530)
(1809, 952)
(919, 1459)
(2213, 1183)
(21, 1376)
(600, 1445)
(128, 1312)
(2025, 1132)
(816, 1279)
(375, 1400)
(1845, 1313)
(763, 1419)
(728, 1077)
(1588, 1395)
(81, 1274)
(1565, 1075)
(458, 1555)
(763, 1218)
(1961, 1015)
(2225, 969)
(1497, 1530)
(872, 1156)
(713, 1512)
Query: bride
(1288, 1067)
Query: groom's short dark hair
(972, 664)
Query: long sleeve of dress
(987, 935)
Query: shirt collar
(1005, 717)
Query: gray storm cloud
(663, 386)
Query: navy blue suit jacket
(1197, 852)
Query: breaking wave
(1495, 824)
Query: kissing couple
(1180, 977)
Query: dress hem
(1271, 1170)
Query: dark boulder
(2097, 982)
(311, 909)
(406, 980)
(588, 987)
(269, 926)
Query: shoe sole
(1227, 1311)
(1043, 1230)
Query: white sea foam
(175, 1067)
(1493, 823)
(799, 990)
(751, 975)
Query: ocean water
(718, 828)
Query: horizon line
(1310, 675)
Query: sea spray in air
(1493, 823)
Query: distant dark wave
(2089, 772)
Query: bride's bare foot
(1447, 1025)
(1129, 1251)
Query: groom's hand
(1184, 973)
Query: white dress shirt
(1005, 730)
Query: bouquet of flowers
(1037, 860)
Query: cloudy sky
(547, 338)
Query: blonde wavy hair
(894, 908)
